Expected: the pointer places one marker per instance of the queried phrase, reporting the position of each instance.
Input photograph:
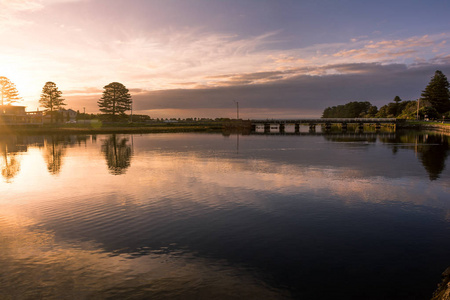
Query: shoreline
(243, 126)
(424, 126)
(157, 128)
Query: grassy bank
(426, 125)
(99, 128)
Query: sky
(197, 58)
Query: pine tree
(437, 93)
(115, 100)
(397, 101)
(8, 91)
(51, 98)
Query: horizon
(187, 59)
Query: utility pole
(237, 109)
(418, 104)
(131, 114)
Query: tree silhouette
(115, 100)
(437, 92)
(51, 98)
(117, 153)
(8, 91)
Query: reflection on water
(117, 152)
(54, 153)
(432, 149)
(38, 266)
(10, 163)
(11, 147)
(312, 217)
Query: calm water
(207, 216)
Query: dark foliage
(350, 110)
(115, 100)
(437, 93)
(8, 91)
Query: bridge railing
(329, 120)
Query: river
(212, 216)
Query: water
(207, 216)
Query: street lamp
(237, 109)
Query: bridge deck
(330, 121)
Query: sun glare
(27, 87)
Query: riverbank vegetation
(433, 104)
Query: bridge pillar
(377, 127)
(282, 127)
(344, 126)
(266, 128)
(312, 127)
(327, 126)
(361, 126)
(297, 128)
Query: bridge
(293, 125)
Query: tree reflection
(343, 138)
(432, 149)
(55, 149)
(433, 155)
(10, 164)
(117, 152)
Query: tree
(349, 110)
(51, 98)
(115, 100)
(437, 92)
(8, 91)
(408, 110)
(372, 112)
(397, 101)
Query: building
(61, 115)
(68, 115)
(16, 115)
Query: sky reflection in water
(193, 215)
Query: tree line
(115, 101)
(434, 103)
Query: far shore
(213, 126)
(98, 128)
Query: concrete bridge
(293, 125)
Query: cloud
(301, 94)
(390, 49)
(30, 5)
(85, 91)
(77, 51)
(20, 5)
(11, 11)
(298, 95)
(423, 41)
